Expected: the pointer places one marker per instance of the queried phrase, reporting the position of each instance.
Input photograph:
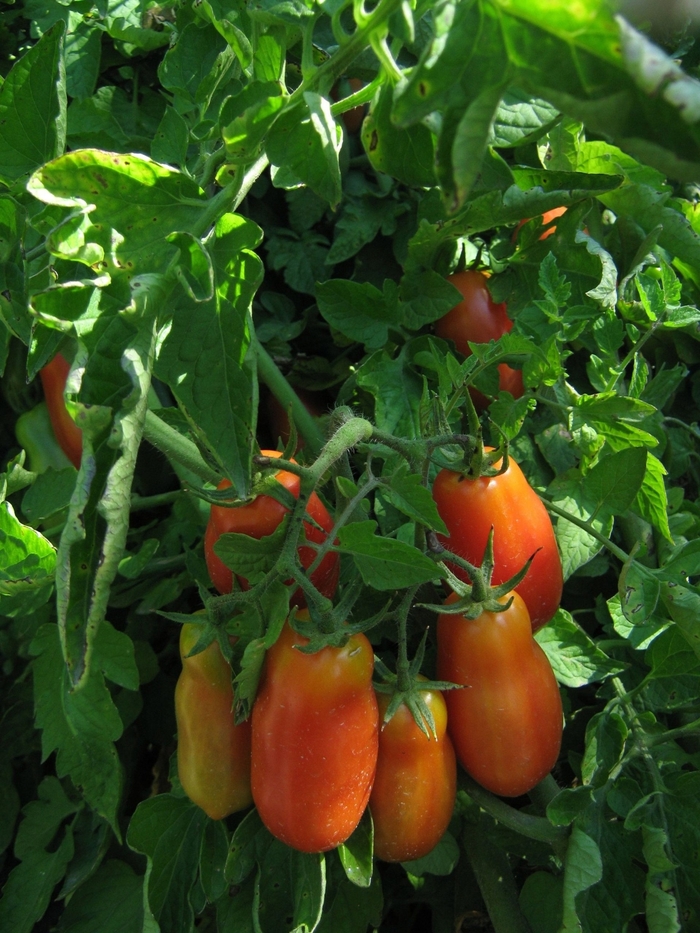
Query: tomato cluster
(317, 752)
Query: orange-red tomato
(68, 434)
(522, 527)
(414, 788)
(213, 753)
(315, 731)
(506, 723)
(478, 319)
(260, 518)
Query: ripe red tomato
(68, 434)
(315, 731)
(546, 218)
(471, 507)
(260, 518)
(414, 788)
(478, 319)
(506, 723)
(213, 753)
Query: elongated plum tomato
(315, 731)
(506, 723)
(415, 784)
(478, 319)
(521, 528)
(68, 434)
(213, 753)
(260, 518)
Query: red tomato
(260, 518)
(506, 723)
(415, 784)
(478, 319)
(471, 507)
(546, 218)
(315, 732)
(213, 753)
(68, 434)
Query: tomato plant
(477, 318)
(506, 724)
(522, 529)
(213, 753)
(186, 214)
(68, 434)
(314, 741)
(260, 518)
(414, 788)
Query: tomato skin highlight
(213, 753)
(315, 728)
(506, 723)
(415, 785)
(68, 434)
(260, 518)
(521, 524)
(478, 319)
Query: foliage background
(183, 213)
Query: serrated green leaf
(385, 564)
(574, 656)
(33, 107)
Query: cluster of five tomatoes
(316, 750)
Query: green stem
(328, 73)
(140, 503)
(582, 523)
(691, 729)
(533, 827)
(286, 396)
(178, 448)
(495, 880)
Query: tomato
(213, 753)
(415, 784)
(547, 217)
(471, 507)
(68, 434)
(260, 518)
(506, 723)
(315, 728)
(478, 319)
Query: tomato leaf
(168, 830)
(407, 493)
(33, 107)
(385, 563)
(290, 890)
(356, 853)
(574, 656)
(614, 481)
